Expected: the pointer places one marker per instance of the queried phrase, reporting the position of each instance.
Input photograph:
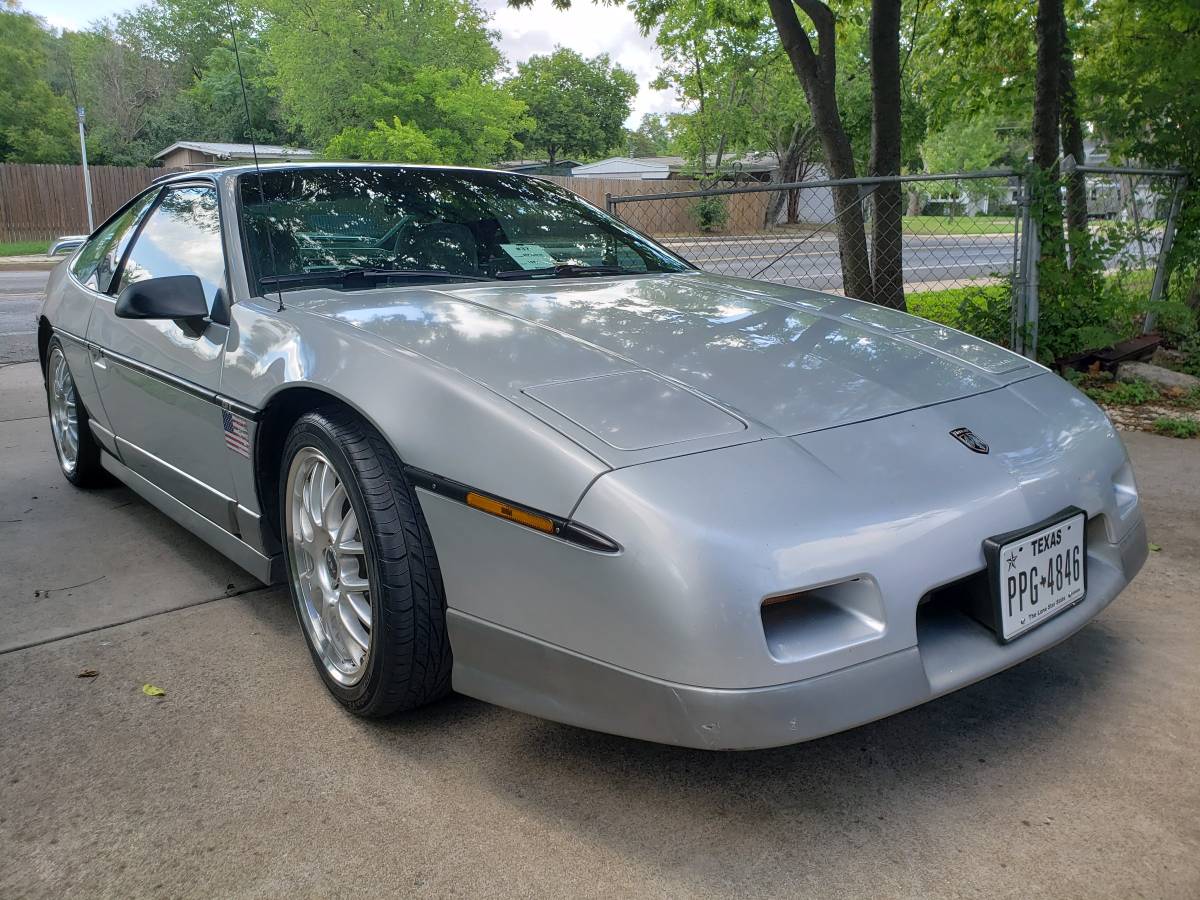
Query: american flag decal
(237, 436)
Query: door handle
(98, 358)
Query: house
(752, 167)
(646, 168)
(206, 154)
(561, 167)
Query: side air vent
(823, 620)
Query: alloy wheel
(329, 566)
(64, 411)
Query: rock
(1165, 378)
(1167, 358)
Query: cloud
(589, 29)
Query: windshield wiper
(566, 270)
(366, 274)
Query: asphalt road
(20, 298)
(1076, 774)
(930, 261)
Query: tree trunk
(887, 243)
(1046, 106)
(700, 99)
(791, 166)
(1072, 141)
(817, 70)
(914, 203)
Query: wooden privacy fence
(41, 202)
(745, 212)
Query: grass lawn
(958, 225)
(942, 306)
(23, 248)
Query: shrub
(710, 213)
(1177, 428)
(986, 312)
(1124, 393)
(1190, 348)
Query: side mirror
(169, 297)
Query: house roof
(238, 151)
(620, 165)
(526, 163)
(750, 162)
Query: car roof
(224, 172)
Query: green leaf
(1154, 548)
(151, 691)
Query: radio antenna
(262, 194)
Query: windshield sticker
(529, 256)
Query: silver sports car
(496, 441)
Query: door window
(182, 236)
(97, 261)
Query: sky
(587, 28)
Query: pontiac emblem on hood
(968, 439)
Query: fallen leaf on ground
(87, 673)
(151, 691)
(1154, 548)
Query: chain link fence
(934, 240)
(957, 230)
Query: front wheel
(361, 567)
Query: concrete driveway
(1076, 774)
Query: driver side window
(97, 261)
(181, 237)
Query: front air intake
(823, 620)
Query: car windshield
(354, 227)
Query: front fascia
(708, 536)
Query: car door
(158, 378)
(87, 277)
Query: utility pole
(87, 178)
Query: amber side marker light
(512, 513)
(564, 529)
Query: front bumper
(505, 667)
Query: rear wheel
(76, 448)
(361, 566)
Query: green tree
(966, 147)
(814, 38)
(652, 137)
(1138, 84)
(129, 95)
(578, 105)
(214, 103)
(185, 33)
(36, 124)
(338, 66)
(440, 116)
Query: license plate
(1037, 572)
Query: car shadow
(919, 770)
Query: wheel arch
(44, 333)
(281, 411)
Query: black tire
(86, 471)
(409, 659)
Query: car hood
(642, 362)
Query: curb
(27, 263)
